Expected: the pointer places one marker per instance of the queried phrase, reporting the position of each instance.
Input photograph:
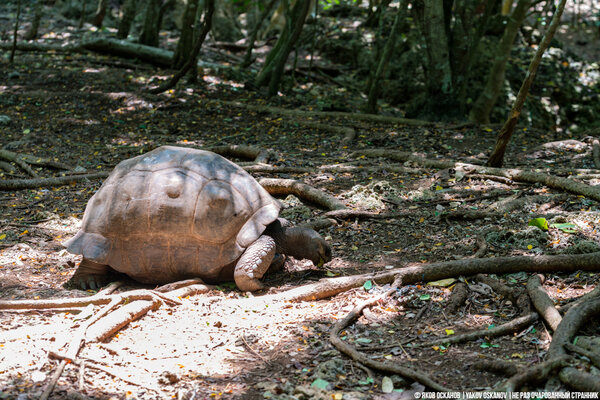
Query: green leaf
(368, 285)
(368, 381)
(424, 297)
(566, 228)
(442, 282)
(320, 383)
(539, 222)
(363, 340)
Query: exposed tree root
(542, 302)
(431, 272)
(579, 380)
(516, 325)
(351, 214)
(326, 114)
(572, 321)
(345, 348)
(282, 187)
(594, 357)
(535, 374)
(348, 133)
(18, 184)
(255, 154)
(596, 152)
(118, 319)
(518, 175)
(98, 299)
(457, 298)
(498, 367)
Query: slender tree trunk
(100, 13)
(150, 28)
(440, 100)
(82, 16)
(209, 7)
(272, 70)
(127, 17)
(497, 157)
(252, 38)
(17, 20)
(32, 33)
(186, 38)
(382, 64)
(480, 112)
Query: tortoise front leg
(89, 275)
(253, 264)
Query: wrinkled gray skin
(179, 213)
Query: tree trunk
(209, 7)
(32, 33)
(272, 71)
(252, 37)
(127, 17)
(497, 157)
(383, 61)
(100, 13)
(16, 30)
(150, 28)
(482, 107)
(440, 100)
(186, 38)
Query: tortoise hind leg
(253, 264)
(89, 275)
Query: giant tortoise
(177, 213)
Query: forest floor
(91, 112)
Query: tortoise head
(300, 243)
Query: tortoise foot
(89, 275)
(253, 264)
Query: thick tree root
(594, 357)
(572, 321)
(542, 302)
(431, 272)
(579, 380)
(283, 187)
(535, 374)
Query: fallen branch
(542, 302)
(19, 184)
(284, 187)
(115, 321)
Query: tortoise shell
(173, 213)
